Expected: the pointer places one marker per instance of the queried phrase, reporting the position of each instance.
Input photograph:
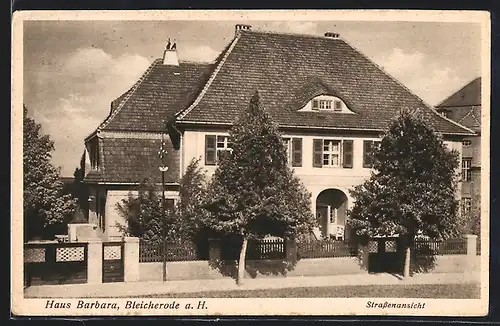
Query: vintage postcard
(212, 163)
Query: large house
(330, 101)
(464, 107)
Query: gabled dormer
(326, 103)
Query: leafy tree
(253, 192)
(143, 215)
(190, 215)
(413, 189)
(189, 211)
(46, 207)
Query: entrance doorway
(331, 208)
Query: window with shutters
(369, 147)
(332, 153)
(293, 148)
(327, 103)
(215, 146)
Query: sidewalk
(134, 289)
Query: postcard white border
(290, 306)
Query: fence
(176, 251)
(326, 249)
(266, 249)
(55, 263)
(448, 247)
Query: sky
(72, 70)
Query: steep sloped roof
(158, 94)
(281, 66)
(469, 95)
(130, 160)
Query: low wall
(192, 270)
(456, 264)
(199, 270)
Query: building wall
(315, 179)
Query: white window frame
(333, 215)
(330, 152)
(225, 146)
(466, 168)
(287, 141)
(466, 143)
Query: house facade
(464, 107)
(331, 103)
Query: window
(369, 146)
(466, 143)
(94, 155)
(215, 146)
(333, 215)
(322, 104)
(466, 164)
(293, 148)
(466, 206)
(332, 153)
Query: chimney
(170, 54)
(331, 35)
(241, 27)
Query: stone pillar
(290, 251)
(94, 261)
(214, 250)
(471, 251)
(131, 259)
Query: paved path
(134, 289)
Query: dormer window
(326, 103)
(94, 155)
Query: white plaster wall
(113, 216)
(315, 179)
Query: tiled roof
(285, 68)
(160, 93)
(469, 95)
(130, 160)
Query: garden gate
(112, 262)
(384, 255)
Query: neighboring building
(331, 103)
(464, 107)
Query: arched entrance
(331, 208)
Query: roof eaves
(181, 114)
(428, 106)
(129, 95)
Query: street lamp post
(163, 168)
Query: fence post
(214, 250)
(94, 261)
(471, 251)
(131, 259)
(291, 251)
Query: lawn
(438, 291)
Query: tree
(143, 215)
(253, 192)
(413, 189)
(189, 210)
(46, 207)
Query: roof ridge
(458, 91)
(291, 34)
(181, 114)
(130, 91)
(427, 105)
